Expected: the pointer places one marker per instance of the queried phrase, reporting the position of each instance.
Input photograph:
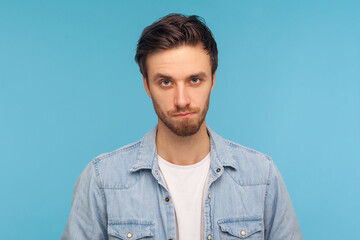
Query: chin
(184, 130)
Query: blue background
(288, 85)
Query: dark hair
(174, 30)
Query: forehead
(178, 62)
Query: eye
(195, 80)
(165, 83)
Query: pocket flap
(241, 227)
(130, 229)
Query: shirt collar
(147, 153)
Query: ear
(146, 86)
(213, 81)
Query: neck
(182, 150)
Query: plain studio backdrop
(288, 85)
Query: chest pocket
(130, 230)
(241, 228)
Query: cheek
(162, 101)
(200, 98)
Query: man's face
(179, 84)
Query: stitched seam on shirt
(98, 178)
(116, 188)
(267, 190)
(100, 181)
(122, 187)
(245, 185)
(247, 219)
(236, 145)
(122, 149)
(268, 183)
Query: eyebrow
(198, 75)
(160, 75)
(164, 76)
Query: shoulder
(250, 167)
(247, 155)
(112, 169)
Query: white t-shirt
(187, 187)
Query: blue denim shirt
(121, 195)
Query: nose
(182, 99)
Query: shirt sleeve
(87, 219)
(279, 218)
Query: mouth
(183, 115)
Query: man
(182, 180)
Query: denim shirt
(121, 195)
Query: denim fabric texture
(121, 195)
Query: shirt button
(218, 170)
(167, 199)
(129, 235)
(170, 239)
(209, 195)
(209, 237)
(243, 233)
